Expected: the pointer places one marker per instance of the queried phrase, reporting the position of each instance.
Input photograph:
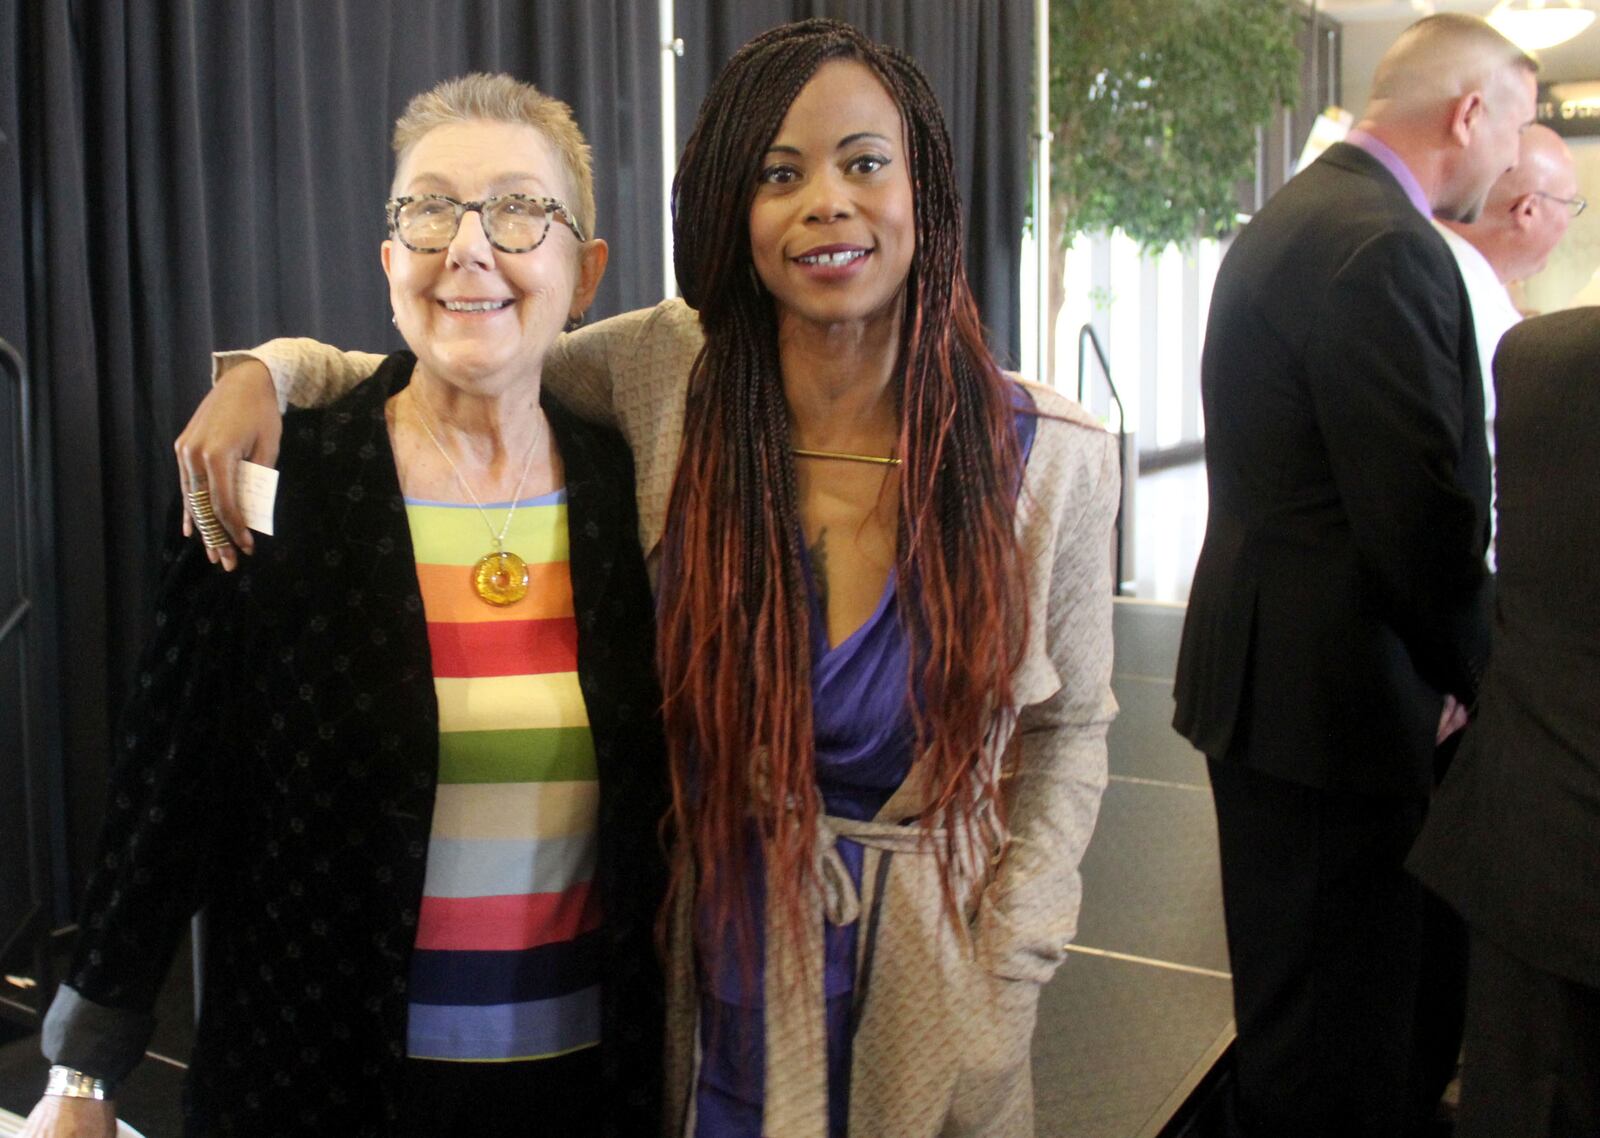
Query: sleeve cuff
(106, 1043)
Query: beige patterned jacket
(946, 1013)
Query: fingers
(194, 485)
(201, 508)
(222, 471)
(1452, 718)
(238, 417)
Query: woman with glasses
(406, 760)
(885, 604)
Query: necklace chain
(499, 539)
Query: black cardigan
(277, 767)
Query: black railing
(1087, 339)
(24, 949)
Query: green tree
(1154, 107)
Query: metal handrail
(19, 623)
(1087, 338)
(13, 364)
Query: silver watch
(66, 1082)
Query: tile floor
(1143, 1002)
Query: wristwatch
(67, 1082)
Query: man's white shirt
(1493, 314)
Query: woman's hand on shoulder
(59, 1117)
(238, 419)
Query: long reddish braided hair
(734, 645)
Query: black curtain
(197, 173)
(23, 720)
(186, 174)
(978, 55)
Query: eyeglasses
(513, 223)
(1575, 206)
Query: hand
(58, 1117)
(238, 419)
(1452, 718)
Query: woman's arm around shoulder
(1071, 491)
(239, 419)
(594, 370)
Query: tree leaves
(1155, 107)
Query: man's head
(1452, 96)
(1528, 208)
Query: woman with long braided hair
(884, 602)
(862, 623)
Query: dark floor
(1136, 1012)
(1143, 1000)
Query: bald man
(1524, 219)
(1337, 617)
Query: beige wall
(1570, 276)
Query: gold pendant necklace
(499, 577)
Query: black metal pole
(19, 625)
(1087, 339)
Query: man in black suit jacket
(1513, 838)
(1338, 603)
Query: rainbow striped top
(506, 965)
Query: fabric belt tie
(796, 1095)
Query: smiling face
(833, 225)
(477, 318)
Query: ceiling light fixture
(1534, 25)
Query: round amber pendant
(500, 578)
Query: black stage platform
(1137, 1016)
(1141, 1010)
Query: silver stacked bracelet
(66, 1082)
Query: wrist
(69, 1082)
(243, 368)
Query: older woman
(885, 606)
(406, 759)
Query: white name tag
(257, 488)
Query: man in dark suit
(1337, 619)
(1513, 838)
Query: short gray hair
(1442, 57)
(501, 98)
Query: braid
(735, 637)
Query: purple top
(861, 718)
(1396, 165)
